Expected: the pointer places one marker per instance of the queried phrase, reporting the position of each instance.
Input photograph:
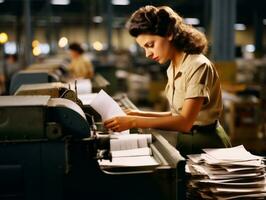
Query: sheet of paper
(229, 176)
(212, 161)
(196, 158)
(86, 99)
(238, 153)
(130, 161)
(240, 169)
(238, 190)
(107, 107)
(83, 86)
(146, 151)
(239, 185)
(243, 196)
(130, 141)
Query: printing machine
(36, 73)
(49, 73)
(61, 90)
(50, 150)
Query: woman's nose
(148, 54)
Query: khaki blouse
(195, 77)
(81, 68)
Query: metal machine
(48, 150)
(52, 72)
(41, 73)
(61, 90)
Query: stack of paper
(227, 173)
(130, 141)
(130, 151)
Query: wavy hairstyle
(163, 21)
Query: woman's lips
(156, 59)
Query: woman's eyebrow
(147, 44)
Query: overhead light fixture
(3, 38)
(35, 43)
(97, 19)
(60, 2)
(2, 1)
(45, 48)
(192, 21)
(121, 2)
(10, 48)
(250, 48)
(63, 42)
(98, 46)
(36, 51)
(240, 27)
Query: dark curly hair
(163, 21)
(76, 47)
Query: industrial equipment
(50, 150)
(49, 73)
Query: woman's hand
(120, 123)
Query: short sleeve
(199, 82)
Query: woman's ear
(170, 37)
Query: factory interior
(53, 144)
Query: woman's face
(73, 54)
(156, 47)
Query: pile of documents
(226, 173)
(130, 141)
(130, 150)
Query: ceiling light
(97, 19)
(250, 48)
(3, 38)
(63, 42)
(36, 51)
(10, 48)
(35, 43)
(120, 2)
(45, 48)
(60, 2)
(2, 1)
(240, 27)
(192, 21)
(98, 46)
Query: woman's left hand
(120, 123)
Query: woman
(80, 67)
(193, 89)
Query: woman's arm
(182, 122)
(147, 113)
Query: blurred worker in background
(80, 66)
(2, 83)
(193, 89)
(9, 67)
